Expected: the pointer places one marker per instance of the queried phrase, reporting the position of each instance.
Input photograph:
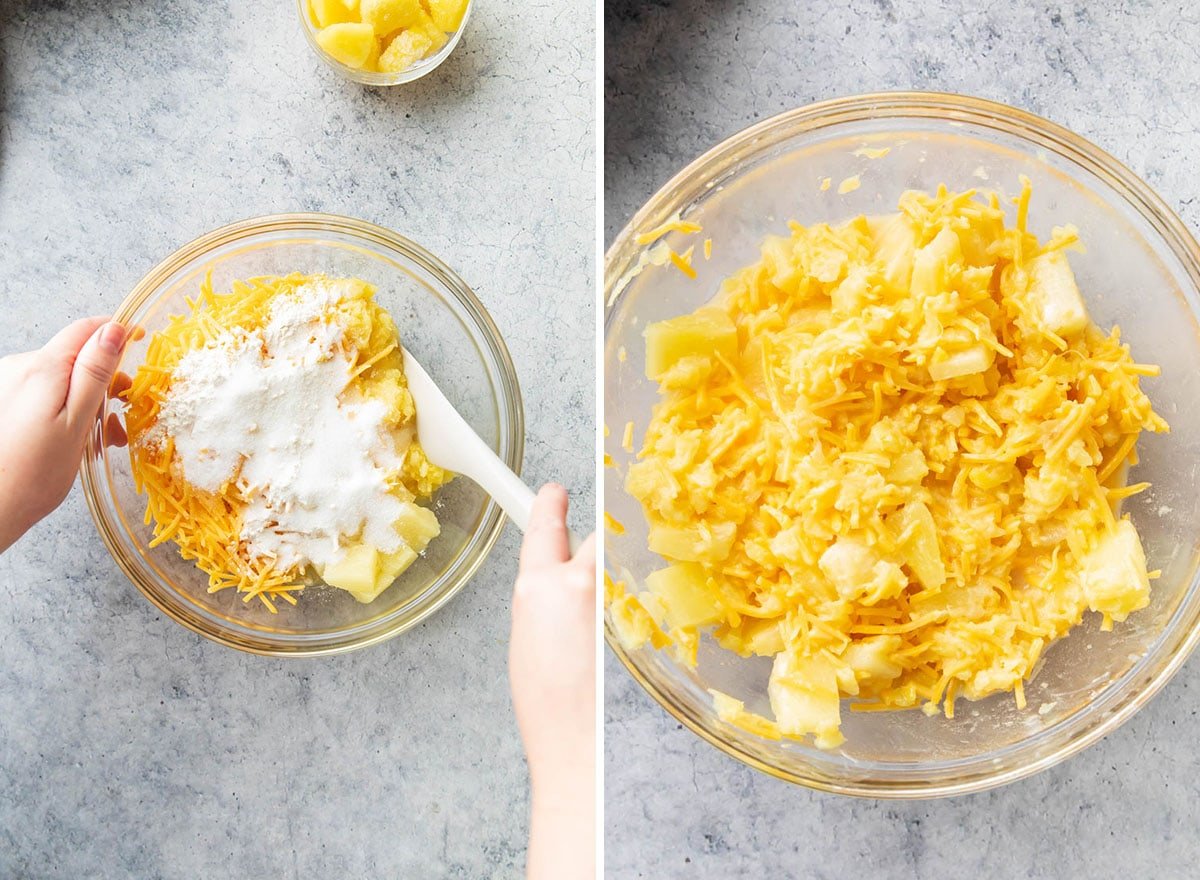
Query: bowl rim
(377, 77)
(509, 403)
(947, 107)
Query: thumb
(93, 371)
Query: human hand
(51, 397)
(552, 667)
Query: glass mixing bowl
(441, 322)
(379, 78)
(1141, 271)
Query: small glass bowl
(378, 78)
(441, 322)
(1141, 271)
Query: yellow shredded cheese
(888, 455)
(685, 227)
(683, 262)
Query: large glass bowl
(441, 322)
(1141, 271)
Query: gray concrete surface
(681, 76)
(130, 748)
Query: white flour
(266, 408)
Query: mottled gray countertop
(1122, 74)
(130, 747)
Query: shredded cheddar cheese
(889, 456)
(683, 262)
(685, 227)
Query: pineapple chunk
(351, 43)
(355, 572)
(1115, 581)
(895, 242)
(390, 566)
(762, 638)
(1052, 287)
(931, 264)
(385, 16)
(690, 543)
(1046, 489)
(851, 294)
(702, 333)
(783, 269)
(850, 566)
(417, 526)
(685, 594)
(365, 572)
(922, 552)
(977, 238)
(976, 602)
(871, 658)
(847, 681)
(405, 50)
(650, 482)
(653, 607)
(633, 624)
(805, 699)
(437, 36)
(447, 14)
(859, 574)
(908, 467)
(327, 12)
(971, 360)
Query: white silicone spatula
(451, 443)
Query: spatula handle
(509, 491)
(456, 447)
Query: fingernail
(112, 337)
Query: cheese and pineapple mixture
(386, 36)
(274, 434)
(889, 455)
